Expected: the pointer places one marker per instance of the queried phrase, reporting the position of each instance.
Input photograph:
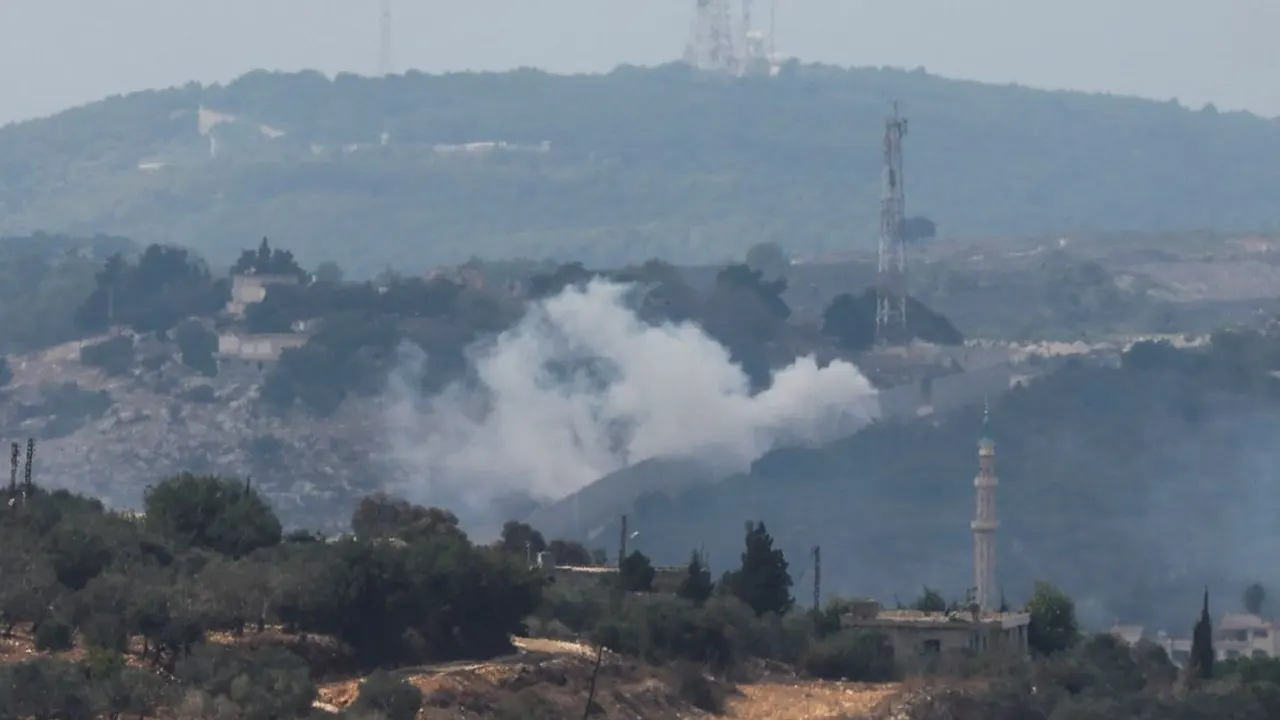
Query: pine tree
(1201, 661)
(636, 573)
(696, 586)
(763, 582)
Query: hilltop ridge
(620, 167)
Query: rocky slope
(112, 436)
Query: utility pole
(817, 577)
(31, 456)
(891, 276)
(386, 65)
(622, 542)
(13, 477)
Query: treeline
(630, 173)
(203, 605)
(147, 595)
(356, 329)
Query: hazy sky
(58, 53)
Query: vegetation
(630, 173)
(203, 608)
(1079, 450)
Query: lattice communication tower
(891, 291)
(711, 45)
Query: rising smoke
(582, 387)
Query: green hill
(638, 163)
(1132, 487)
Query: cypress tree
(763, 582)
(1201, 661)
(696, 586)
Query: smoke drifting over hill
(581, 387)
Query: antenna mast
(891, 294)
(385, 64)
(773, 30)
(711, 45)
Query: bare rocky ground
(550, 679)
(163, 418)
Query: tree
(197, 344)
(763, 582)
(328, 272)
(268, 261)
(223, 515)
(382, 516)
(1255, 596)
(697, 585)
(919, 227)
(1053, 620)
(1200, 664)
(636, 573)
(520, 540)
(930, 600)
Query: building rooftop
(1241, 621)
(958, 617)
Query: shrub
(695, 688)
(197, 345)
(114, 357)
(391, 698)
(53, 636)
(851, 655)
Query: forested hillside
(639, 163)
(1128, 486)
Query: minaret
(984, 522)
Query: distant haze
(58, 53)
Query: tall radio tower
(386, 64)
(711, 45)
(891, 291)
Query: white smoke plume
(582, 387)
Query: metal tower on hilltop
(386, 64)
(711, 45)
(891, 289)
(984, 525)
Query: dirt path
(806, 700)
(777, 699)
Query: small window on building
(1233, 654)
(933, 646)
(1259, 654)
(1260, 634)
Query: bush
(391, 698)
(851, 655)
(53, 636)
(198, 345)
(695, 688)
(114, 357)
